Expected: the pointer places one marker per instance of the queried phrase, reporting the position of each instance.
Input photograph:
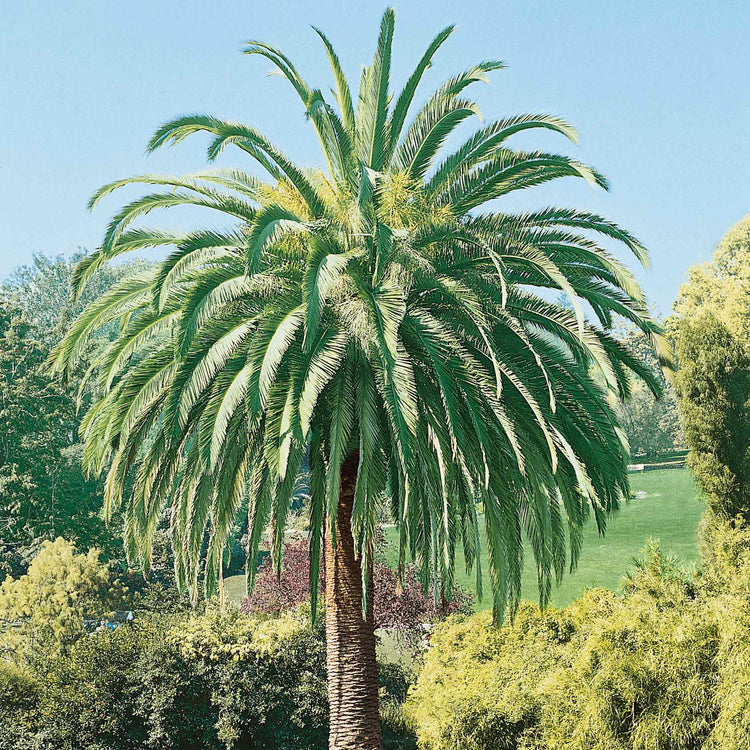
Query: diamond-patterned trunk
(350, 634)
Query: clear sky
(658, 91)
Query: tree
(722, 286)
(43, 493)
(41, 291)
(652, 424)
(377, 316)
(713, 383)
(62, 587)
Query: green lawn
(666, 506)
(234, 588)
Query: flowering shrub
(273, 594)
(216, 637)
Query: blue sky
(657, 90)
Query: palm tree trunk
(350, 634)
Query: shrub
(18, 703)
(269, 684)
(205, 681)
(642, 673)
(408, 608)
(89, 695)
(480, 685)
(663, 666)
(395, 679)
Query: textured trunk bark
(350, 634)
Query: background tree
(48, 604)
(713, 383)
(722, 286)
(41, 291)
(379, 318)
(43, 492)
(652, 424)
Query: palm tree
(377, 317)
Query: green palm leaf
(380, 315)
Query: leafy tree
(41, 291)
(379, 317)
(652, 424)
(722, 286)
(49, 603)
(43, 491)
(713, 383)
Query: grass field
(234, 588)
(665, 506)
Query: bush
(172, 679)
(480, 685)
(642, 674)
(401, 611)
(395, 679)
(18, 701)
(663, 666)
(269, 680)
(204, 681)
(89, 697)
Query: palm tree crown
(378, 310)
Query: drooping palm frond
(380, 308)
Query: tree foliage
(43, 491)
(45, 608)
(382, 306)
(41, 291)
(662, 666)
(722, 286)
(651, 423)
(713, 383)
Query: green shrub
(205, 682)
(89, 696)
(268, 676)
(479, 688)
(642, 674)
(663, 666)
(18, 701)
(395, 679)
